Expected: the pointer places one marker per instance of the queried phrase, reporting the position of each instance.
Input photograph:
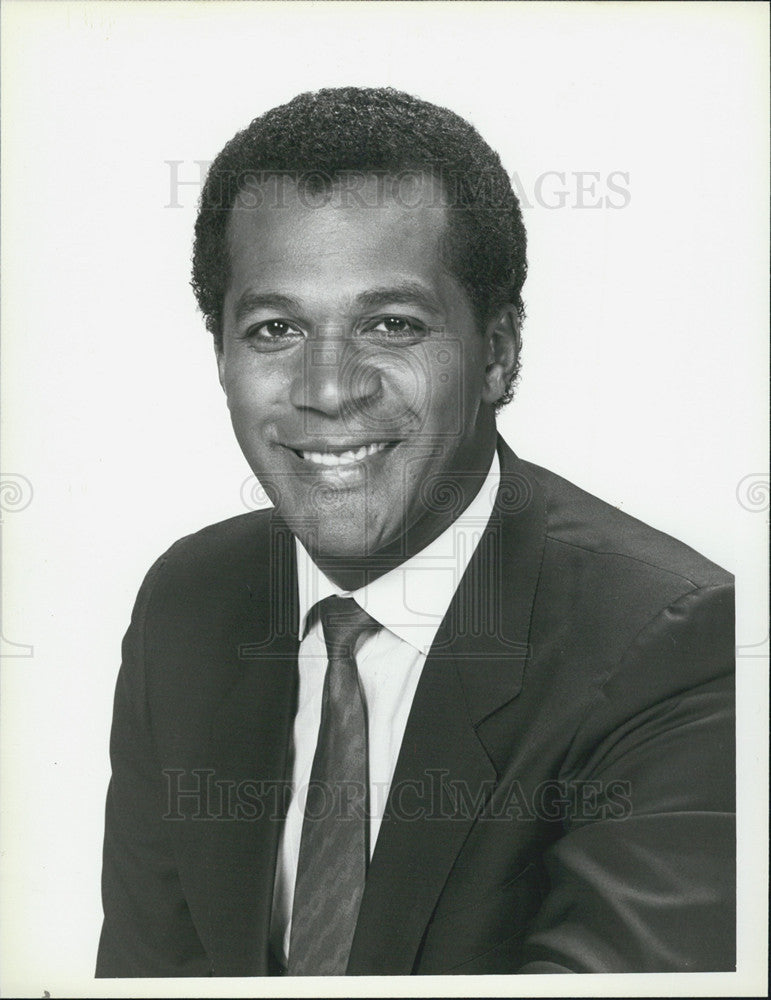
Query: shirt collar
(412, 599)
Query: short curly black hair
(342, 130)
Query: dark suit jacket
(564, 795)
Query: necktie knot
(343, 621)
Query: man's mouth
(339, 457)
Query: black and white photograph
(384, 498)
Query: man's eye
(396, 328)
(273, 331)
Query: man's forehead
(357, 233)
(355, 221)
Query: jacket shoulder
(207, 593)
(235, 538)
(212, 560)
(577, 519)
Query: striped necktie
(333, 858)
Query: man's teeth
(345, 457)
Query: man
(438, 710)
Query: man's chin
(346, 544)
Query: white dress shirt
(410, 602)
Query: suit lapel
(248, 751)
(444, 774)
(490, 629)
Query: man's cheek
(243, 403)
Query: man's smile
(345, 464)
(341, 455)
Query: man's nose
(336, 377)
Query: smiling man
(337, 308)
(438, 710)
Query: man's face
(353, 366)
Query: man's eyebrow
(404, 294)
(249, 302)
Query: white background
(644, 364)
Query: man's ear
(219, 354)
(503, 344)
